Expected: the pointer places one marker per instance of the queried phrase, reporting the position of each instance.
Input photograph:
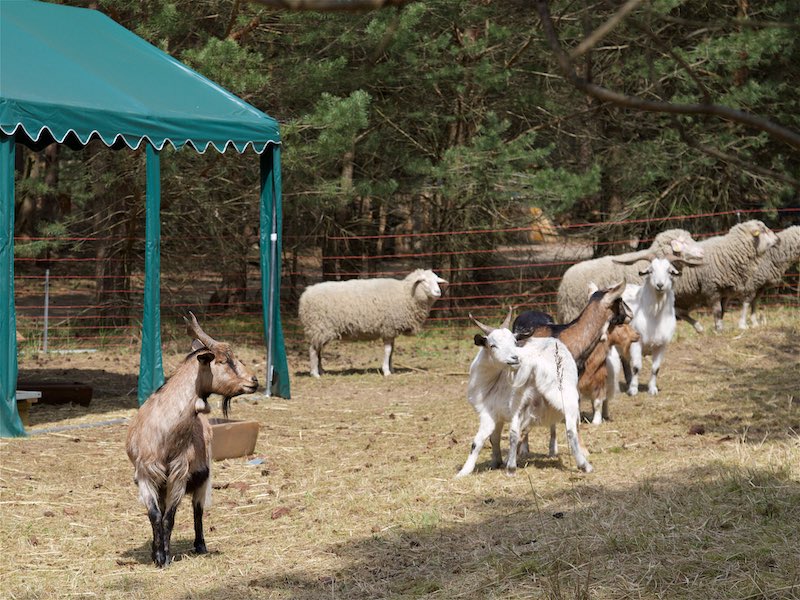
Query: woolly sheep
(728, 261)
(366, 309)
(769, 272)
(604, 271)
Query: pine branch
(777, 132)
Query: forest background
(433, 116)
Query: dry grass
(356, 497)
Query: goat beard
(226, 404)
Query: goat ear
(205, 357)
(479, 340)
(613, 292)
(197, 345)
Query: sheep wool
(604, 271)
(728, 261)
(769, 271)
(367, 309)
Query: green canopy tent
(71, 75)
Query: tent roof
(70, 74)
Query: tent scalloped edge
(157, 145)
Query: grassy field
(695, 494)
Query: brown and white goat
(604, 309)
(598, 382)
(169, 438)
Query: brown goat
(604, 309)
(169, 438)
(595, 382)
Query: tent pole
(10, 422)
(151, 370)
(270, 239)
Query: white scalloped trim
(159, 147)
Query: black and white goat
(536, 384)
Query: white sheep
(653, 306)
(366, 309)
(768, 273)
(728, 261)
(604, 271)
(536, 384)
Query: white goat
(653, 306)
(536, 384)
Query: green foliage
(230, 65)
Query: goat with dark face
(169, 438)
(581, 336)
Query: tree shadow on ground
(110, 392)
(356, 371)
(708, 531)
(760, 400)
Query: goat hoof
(587, 468)
(200, 549)
(160, 559)
(511, 471)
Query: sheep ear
(479, 340)
(205, 357)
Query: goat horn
(485, 329)
(507, 323)
(195, 331)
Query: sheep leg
(636, 366)
(754, 318)
(719, 311)
(743, 318)
(684, 315)
(658, 356)
(388, 350)
(485, 429)
(315, 359)
(553, 449)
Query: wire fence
(78, 299)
